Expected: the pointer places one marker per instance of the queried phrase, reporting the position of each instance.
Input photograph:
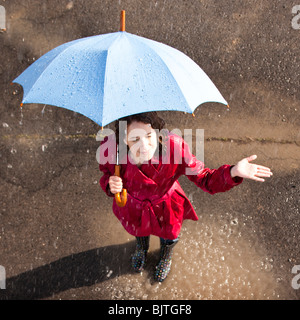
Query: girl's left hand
(245, 169)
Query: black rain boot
(164, 265)
(139, 257)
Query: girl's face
(141, 139)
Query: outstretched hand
(245, 169)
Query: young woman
(156, 204)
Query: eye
(134, 139)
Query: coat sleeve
(209, 180)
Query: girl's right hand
(115, 184)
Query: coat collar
(147, 169)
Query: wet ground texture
(58, 236)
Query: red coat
(156, 203)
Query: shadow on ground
(74, 271)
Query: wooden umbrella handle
(121, 198)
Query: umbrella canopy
(107, 77)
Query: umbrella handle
(121, 198)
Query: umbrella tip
(122, 24)
(193, 114)
(228, 106)
(21, 105)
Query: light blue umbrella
(107, 77)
